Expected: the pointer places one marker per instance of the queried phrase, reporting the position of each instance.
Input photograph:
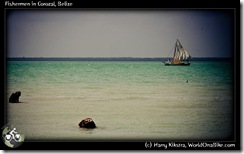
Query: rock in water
(14, 98)
(87, 123)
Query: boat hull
(179, 64)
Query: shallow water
(127, 100)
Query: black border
(134, 145)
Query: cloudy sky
(118, 33)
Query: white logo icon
(13, 135)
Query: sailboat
(181, 56)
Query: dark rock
(14, 98)
(87, 123)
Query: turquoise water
(127, 100)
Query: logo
(11, 137)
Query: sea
(128, 100)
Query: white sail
(180, 53)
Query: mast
(175, 51)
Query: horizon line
(115, 57)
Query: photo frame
(231, 142)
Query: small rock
(87, 123)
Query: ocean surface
(127, 100)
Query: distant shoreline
(109, 59)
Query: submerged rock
(14, 98)
(87, 123)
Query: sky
(119, 33)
